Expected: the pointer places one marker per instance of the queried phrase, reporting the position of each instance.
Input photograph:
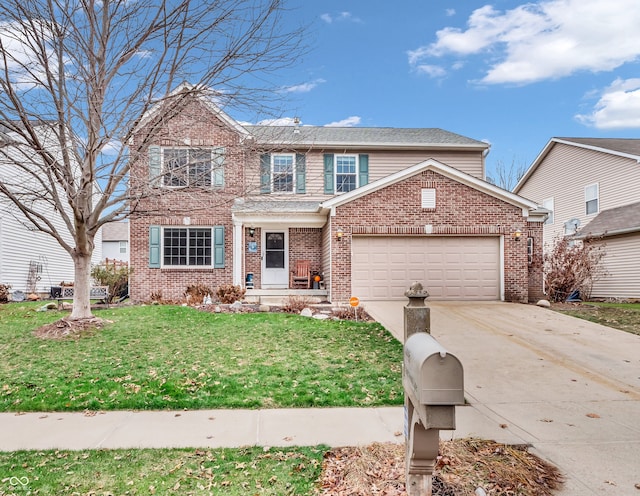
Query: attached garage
(450, 267)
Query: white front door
(275, 259)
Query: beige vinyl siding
(567, 170)
(621, 265)
(381, 164)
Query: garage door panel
(449, 267)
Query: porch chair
(301, 276)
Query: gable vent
(428, 198)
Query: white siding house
(115, 241)
(30, 260)
(592, 188)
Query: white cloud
(352, 121)
(303, 88)
(282, 121)
(340, 17)
(544, 40)
(450, 12)
(433, 71)
(618, 107)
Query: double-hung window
(193, 167)
(346, 173)
(591, 198)
(282, 173)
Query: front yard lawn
(171, 357)
(254, 470)
(623, 316)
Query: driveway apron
(568, 387)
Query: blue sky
(510, 73)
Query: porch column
(238, 279)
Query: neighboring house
(592, 188)
(30, 260)
(115, 241)
(372, 209)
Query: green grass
(622, 316)
(255, 470)
(169, 357)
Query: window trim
(355, 174)
(122, 246)
(294, 167)
(217, 247)
(216, 161)
(530, 250)
(588, 199)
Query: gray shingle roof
(623, 145)
(366, 136)
(614, 221)
(115, 231)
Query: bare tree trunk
(81, 287)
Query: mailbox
(433, 381)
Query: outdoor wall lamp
(252, 231)
(517, 235)
(339, 234)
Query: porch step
(280, 296)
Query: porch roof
(292, 213)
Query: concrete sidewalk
(568, 387)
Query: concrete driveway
(568, 387)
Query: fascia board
(292, 219)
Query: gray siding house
(592, 188)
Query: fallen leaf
(593, 415)
(503, 426)
(398, 433)
(546, 420)
(611, 483)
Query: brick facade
(460, 210)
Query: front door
(275, 259)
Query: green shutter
(363, 173)
(218, 247)
(301, 173)
(265, 173)
(155, 165)
(218, 167)
(328, 173)
(154, 247)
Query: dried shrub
(296, 303)
(349, 313)
(195, 293)
(4, 293)
(228, 293)
(572, 266)
(156, 296)
(116, 278)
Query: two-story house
(591, 186)
(371, 209)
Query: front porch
(278, 296)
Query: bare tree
(77, 78)
(507, 176)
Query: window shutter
(328, 173)
(154, 247)
(155, 165)
(265, 173)
(363, 176)
(218, 247)
(218, 167)
(301, 173)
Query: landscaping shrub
(196, 293)
(295, 304)
(572, 266)
(228, 293)
(4, 293)
(116, 278)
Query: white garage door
(451, 268)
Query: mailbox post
(433, 384)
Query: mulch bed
(69, 329)
(462, 466)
